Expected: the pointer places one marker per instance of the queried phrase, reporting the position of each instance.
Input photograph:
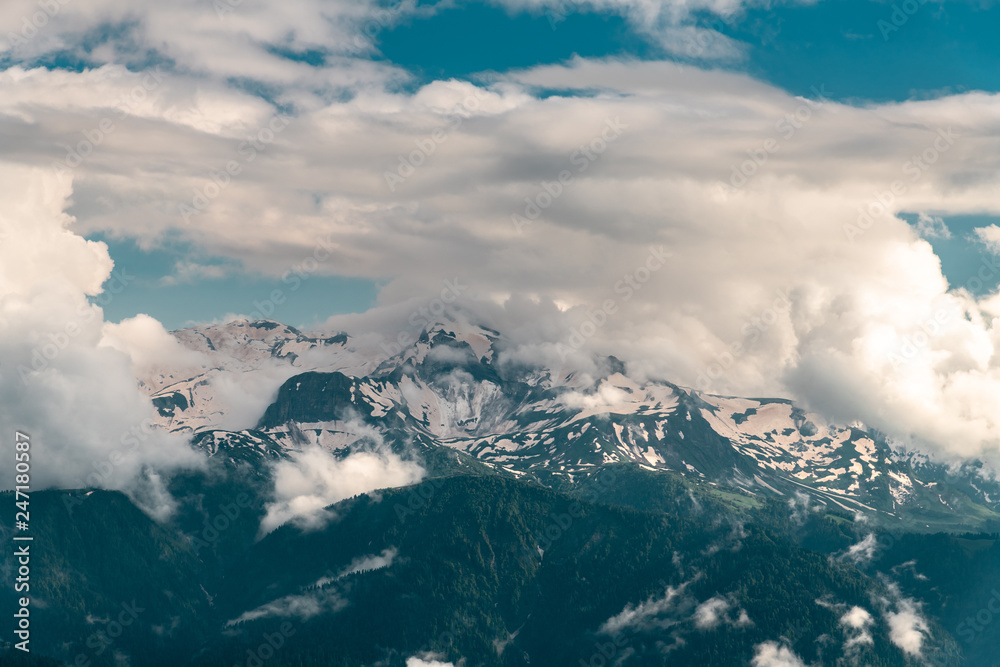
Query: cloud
(324, 599)
(238, 40)
(772, 654)
(89, 423)
(605, 398)
(150, 347)
(190, 272)
(710, 613)
(862, 552)
(932, 227)
(654, 612)
(364, 564)
(714, 612)
(856, 622)
(670, 24)
(302, 606)
(990, 237)
(678, 611)
(429, 660)
(907, 627)
(801, 506)
(314, 478)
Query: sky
(752, 198)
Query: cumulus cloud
(314, 478)
(150, 347)
(772, 654)
(78, 400)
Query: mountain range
(447, 502)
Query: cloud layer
(703, 226)
(89, 423)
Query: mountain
(562, 517)
(456, 388)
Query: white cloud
(772, 654)
(856, 622)
(654, 612)
(371, 562)
(907, 627)
(932, 227)
(302, 606)
(191, 272)
(856, 618)
(427, 660)
(801, 506)
(314, 479)
(78, 400)
(862, 552)
(150, 346)
(710, 613)
(990, 237)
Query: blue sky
(304, 299)
(949, 47)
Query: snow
(579, 425)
